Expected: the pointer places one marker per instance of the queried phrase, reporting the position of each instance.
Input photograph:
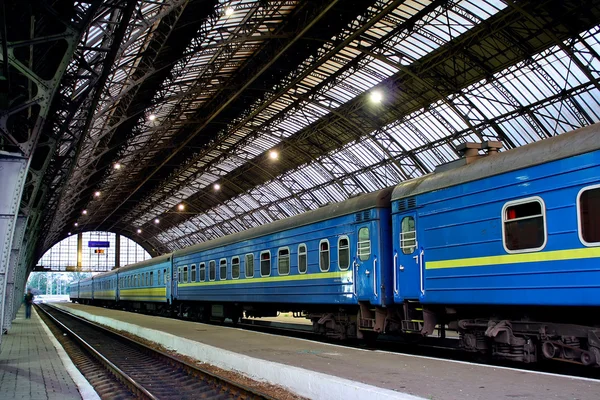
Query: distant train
(502, 248)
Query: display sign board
(98, 244)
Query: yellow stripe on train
(283, 278)
(557, 255)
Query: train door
(408, 258)
(175, 281)
(366, 287)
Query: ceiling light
(96, 194)
(84, 212)
(181, 207)
(68, 233)
(152, 117)
(117, 166)
(156, 220)
(139, 231)
(76, 224)
(229, 11)
(217, 186)
(376, 96)
(273, 155)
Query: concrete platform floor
(324, 371)
(32, 368)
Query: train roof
(380, 198)
(569, 144)
(145, 263)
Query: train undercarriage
(511, 333)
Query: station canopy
(189, 120)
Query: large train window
(185, 274)
(193, 277)
(408, 236)
(588, 212)
(212, 270)
(324, 255)
(344, 253)
(524, 225)
(202, 272)
(249, 261)
(165, 277)
(265, 263)
(302, 260)
(364, 244)
(223, 269)
(151, 278)
(235, 267)
(283, 261)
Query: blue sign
(98, 244)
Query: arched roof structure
(187, 94)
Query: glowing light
(217, 186)
(76, 224)
(229, 11)
(139, 231)
(376, 96)
(84, 212)
(152, 117)
(68, 233)
(117, 166)
(96, 194)
(273, 155)
(156, 220)
(181, 207)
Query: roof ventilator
(469, 152)
(363, 216)
(407, 204)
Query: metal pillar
(117, 251)
(10, 295)
(13, 169)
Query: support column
(117, 251)
(10, 298)
(79, 250)
(13, 169)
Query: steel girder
(38, 40)
(475, 56)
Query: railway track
(120, 368)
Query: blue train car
(105, 287)
(74, 291)
(331, 259)
(145, 285)
(514, 235)
(86, 291)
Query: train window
(265, 263)
(283, 261)
(147, 278)
(179, 274)
(165, 277)
(151, 278)
(364, 244)
(588, 205)
(235, 268)
(324, 255)
(158, 281)
(212, 270)
(524, 225)
(344, 253)
(302, 260)
(202, 272)
(223, 269)
(408, 235)
(249, 261)
(193, 273)
(185, 274)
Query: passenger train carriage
(502, 248)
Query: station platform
(324, 371)
(34, 366)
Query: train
(500, 247)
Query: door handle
(375, 276)
(421, 270)
(395, 272)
